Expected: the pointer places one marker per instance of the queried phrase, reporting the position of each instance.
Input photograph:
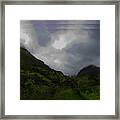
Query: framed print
(59, 60)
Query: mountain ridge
(39, 82)
(91, 66)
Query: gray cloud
(67, 46)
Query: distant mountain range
(39, 81)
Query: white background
(13, 104)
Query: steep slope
(37, 80)
(28, 61)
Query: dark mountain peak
(92, 67)
(90, 70)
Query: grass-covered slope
(39, 82)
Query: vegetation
(39, 82)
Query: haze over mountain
(28, 61)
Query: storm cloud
(64, 45)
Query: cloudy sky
(64, 45)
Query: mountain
(90, 70)
(28, 61)
(39, 82)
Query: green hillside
(39, 82)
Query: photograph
(62, 63)
(60, 60)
